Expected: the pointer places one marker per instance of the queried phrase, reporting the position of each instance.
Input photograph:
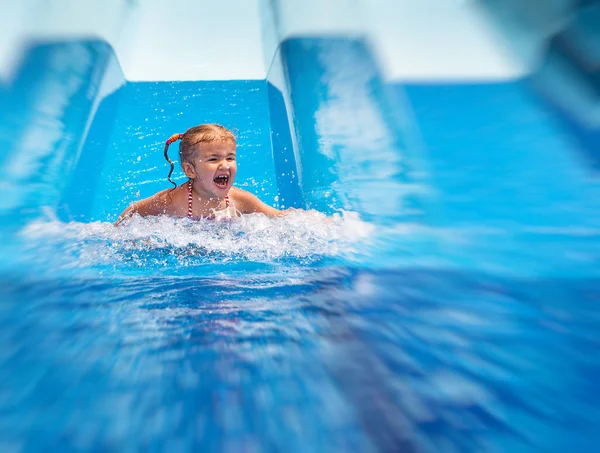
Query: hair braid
(172, 138)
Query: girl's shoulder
(235, 193)
(242, 198)
(170, 202)
(248, 203)
(164, 202)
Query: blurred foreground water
(277, 335)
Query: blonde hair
(204, 133)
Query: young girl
(207, 156)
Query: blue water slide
(332, 134)
(114, 155)
(45, 119)
(356, 149)
(86, 157)
(466, 320)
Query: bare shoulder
(242, 199)
(248, 203)
(164, 202)
(241, 195)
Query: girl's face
(213, 169)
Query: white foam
(183, 247)
(302, 235)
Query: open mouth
(221, 181)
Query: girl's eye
(212, 160)
(230, 159)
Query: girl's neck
(204, 200)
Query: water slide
(454, 143)
(449, 127)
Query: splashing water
(147, 245)
(302, 237)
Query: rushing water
(265, 334)
(170, 245)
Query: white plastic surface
(237, 39)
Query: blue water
(295, 359)
(449, 302)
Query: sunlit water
(265, 334)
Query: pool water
(439, 293)
(277, 335)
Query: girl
(207, 156)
